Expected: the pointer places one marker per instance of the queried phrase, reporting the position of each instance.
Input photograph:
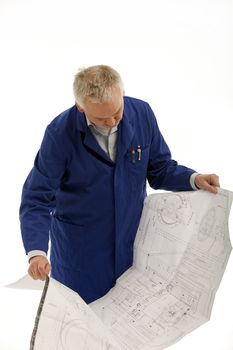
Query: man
(87, 187)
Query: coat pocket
(136, 166)
(68, 244)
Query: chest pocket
(136, 167)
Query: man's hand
(39, 268)
(208, 182)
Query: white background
(175, 54)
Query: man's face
(107, 114)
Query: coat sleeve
(39, 193)
(164, 172)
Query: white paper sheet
(26, 282)
(180, 254)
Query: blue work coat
(88, 205)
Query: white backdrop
(175, 54)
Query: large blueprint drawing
(180, 254)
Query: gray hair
(96, 83)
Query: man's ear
(79, 108)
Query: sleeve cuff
(192, 181)
(33, 253)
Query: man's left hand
(208, 182)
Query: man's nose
(111, 121)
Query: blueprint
(66, 321)
(181, 250)
(180, 254)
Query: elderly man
(86, 190)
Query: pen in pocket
(133, 155)
(139, 152)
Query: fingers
(210, 188)
(39, 268)
(208, 182)
(213, 183)
(215, 180)
(47, 269)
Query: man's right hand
(39, 268)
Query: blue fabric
(88, 205)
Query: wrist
(193, 184)
(34, 253)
